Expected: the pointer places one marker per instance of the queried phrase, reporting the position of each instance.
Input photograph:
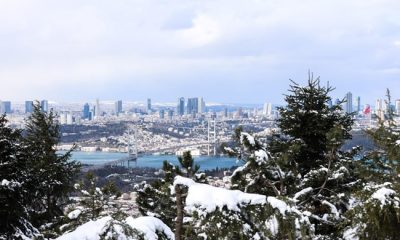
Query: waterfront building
(44, 105)
(28, 106)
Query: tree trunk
(179, 213)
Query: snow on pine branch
(149, 226)
(250, 139)
(109, 228)
(209, 198)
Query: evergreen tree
(308, 118)
(156, 199)
(376, 211)
(189, 169)
(52, 174)
(304, 164)
(14, 219)
(94, 203)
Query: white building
(63, 118)
(97, 112)
(201, 105)
(397, 104)
(378, 106)
(69, 119)
(267, 110)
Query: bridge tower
(212, 136)
(132, 148)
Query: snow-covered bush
(375, 213)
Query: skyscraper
(86, 111)
(28, 106)
(161, 112)
(97, 112)
(358, 104)
(5, 107)
(44, 105)
(201, 105)
(349, 102)
(180, 110)
(192, 106)
(148, 105)
(170, 114)
(378, 106)
(397, 105)
(267, 110)
(118, 107)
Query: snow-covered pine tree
(14, 218)
(375, 212)
(93, 203)
(52, 175)
(304, 165)
(156, 199)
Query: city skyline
(224, 51)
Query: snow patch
(149, 226)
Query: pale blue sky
(226, 51)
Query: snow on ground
(149, 226)
(208, 198)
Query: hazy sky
(226, 51)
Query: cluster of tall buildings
(193, 106)
(5, 106)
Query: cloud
(209, 48)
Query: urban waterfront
(154, 161)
